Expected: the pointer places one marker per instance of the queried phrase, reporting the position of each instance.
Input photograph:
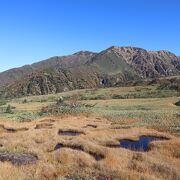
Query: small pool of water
(140, 145)
(69, 133)
(18, 158)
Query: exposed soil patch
(97, 156)
(90, 125)
(140, 145)
(44, 126)
(70, 132)
(18, 158)
(13, 129)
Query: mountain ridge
(85, 69)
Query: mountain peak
(84, 53)
(125, 48)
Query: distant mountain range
(114, 66)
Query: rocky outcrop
(148, 64)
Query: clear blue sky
(32, 30)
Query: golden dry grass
(32, 106)
(161, 162)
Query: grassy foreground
(101, 118)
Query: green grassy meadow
(146, 106)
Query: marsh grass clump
(94, 97)
(9, 109)
(43, 100)
(71, 106)
(24, 101)
(145, 94)
(22, 116)
(67, 108)
(164, 171)
(3, 102)
(60, 100)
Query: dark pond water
(18, 159)
(140, 145)
(69, 133)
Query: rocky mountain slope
(112, 67)
(12, 75)
(148, 64)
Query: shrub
(24, 116)
(60, 100)
(9, 109)
(24, 101)
(2, 102)
(65, 108)
(177, 103)
(44, 110)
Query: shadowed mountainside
(9, 76)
